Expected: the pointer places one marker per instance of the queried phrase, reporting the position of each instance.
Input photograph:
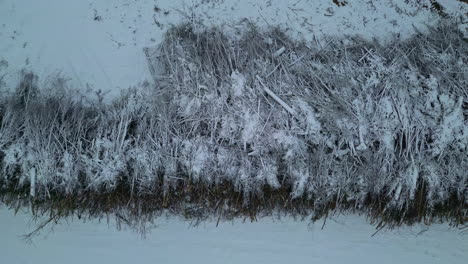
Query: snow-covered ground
(345, 239)
(98, 44)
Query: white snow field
(98, 44)
(344, 239)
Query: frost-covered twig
(276, 98)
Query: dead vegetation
(252, 126)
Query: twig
(379, 228)
(279, 52)
(150, 64)
(269, 74)
(296, 61)
(324, 221)
(276, 98)
(36, 231)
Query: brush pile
(252, 124)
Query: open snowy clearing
(98, 44)
(345, 239)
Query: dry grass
(379, 130)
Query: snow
(345, 239)
(238, 83)
(99, 44)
